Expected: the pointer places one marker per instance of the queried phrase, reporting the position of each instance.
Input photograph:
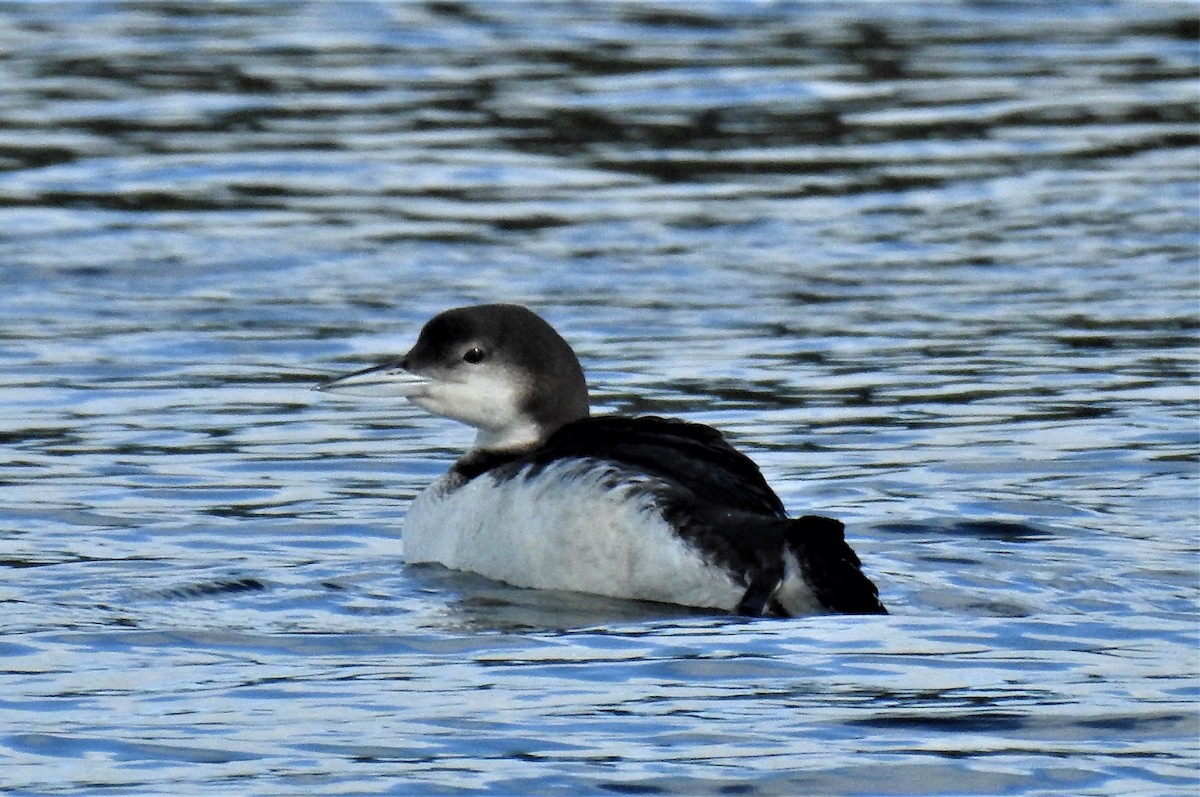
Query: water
(934, 267)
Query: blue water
(933, 266)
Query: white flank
(794, 595)
(566, 528)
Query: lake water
(933, 266)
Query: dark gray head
(497, 367)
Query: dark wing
(690, 455)
(734, 518)
(718, 501)
(752, 545)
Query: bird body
(645, 508)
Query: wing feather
(692, 456)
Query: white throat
(522, 433)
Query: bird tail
(811, 569)
(830, 567)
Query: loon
(643, 508)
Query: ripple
(932, 266)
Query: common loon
(645, 508)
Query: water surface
(933, 266)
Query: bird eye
(474, 355)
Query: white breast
(566, 528)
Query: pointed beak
(389, 378)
